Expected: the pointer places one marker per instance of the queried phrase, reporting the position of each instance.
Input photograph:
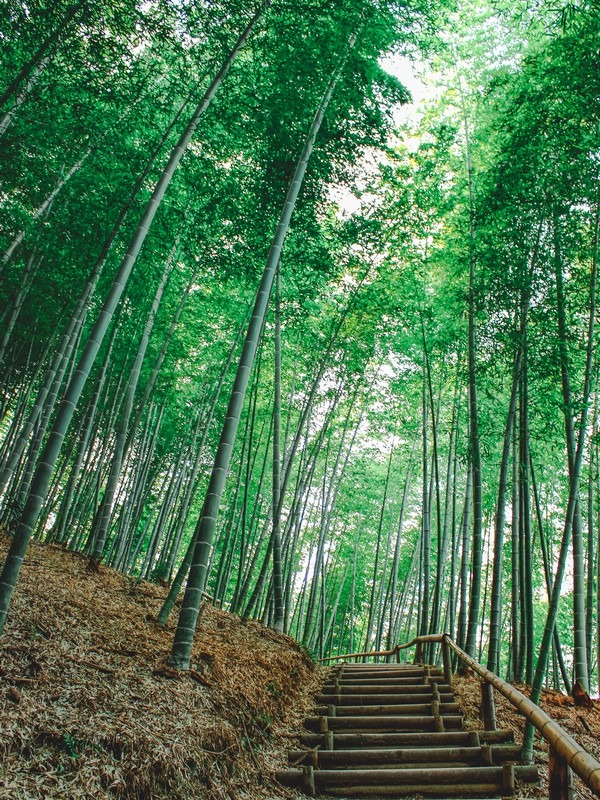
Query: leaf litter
(583, 724)
(89, 708)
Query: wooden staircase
(392, 730)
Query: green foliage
(363, 291)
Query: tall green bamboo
(101, 526)
(279, 611)
(580, 649)
(41, 480)
(575, 475)
(186, 627)
(182, 572)
(496, 596)
(425, 521)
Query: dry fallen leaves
(583, 724)
(88, 708)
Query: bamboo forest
(298, 311)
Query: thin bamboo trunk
(278, 595)
(475, 596)
(182, 572)
(548, 577)
(44, 207)
(62, 517)
(31, 267)
(8, 118)
(493, 662)
(396, 557)
(425, 522)
(580, 649)
(439, 568)
(100, 532)
(40, 483)
(525, 519)
(455, 542)
(589, 599)
(571, 505)
(465, 562)
(374, 584)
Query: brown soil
(88, 709)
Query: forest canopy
(275, 332)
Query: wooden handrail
(391, 652)
(432, 637)
(565, 752)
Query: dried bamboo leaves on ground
(583, 724)
(89, 710)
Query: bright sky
(405, 70)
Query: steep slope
(88, 709)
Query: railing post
(419, 653)
(487, 706)
(560, 778)
(308, 780)
(447, 662)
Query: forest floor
(583, 724)
(88, 708)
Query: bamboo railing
(565, 753)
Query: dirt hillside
(87, 708)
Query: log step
(381, 672)
(382, 699)
(343, 681)
(440, 778)
(410, 689)
(386, 757)
(408, 665)
(407, 709)
(466, 791)
(347, 741)
(378, 792)
(383, 723)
